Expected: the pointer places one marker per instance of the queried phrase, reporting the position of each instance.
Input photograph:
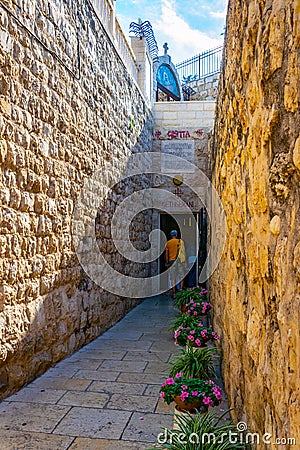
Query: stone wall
(67, 105)
(204, 89)
(255, 289)
(185, 122)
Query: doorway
(195, 233)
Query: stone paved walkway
(103, 397)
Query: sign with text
(183, 149)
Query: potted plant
(187, 294)
(184, 320)
(201, 431)
(194, 364)
(182, 297)
(190, 394)
(197, 308)
(196, 335)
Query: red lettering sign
(182, 134)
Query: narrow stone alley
(105, 396)
(105, 149)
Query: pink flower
(183, 396)
(208, 401)
(178, 375)
(162, 395)
(192, 332)
(217, 392)
(184, 387)
(194, 393)
(217, 389)
(191, 338)
(170, 381)
(195, 313)
(200, 325)
(198, 342)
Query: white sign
(184, 149)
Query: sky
(189, 27)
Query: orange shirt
(172, 249)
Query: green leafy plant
(196, 364)
(185, 295)
(195, 335)
(184, 320)
(191, 390)
(182, 297)
(201, 432)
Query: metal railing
(200, 66)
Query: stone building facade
(256, 163)
(69, 102)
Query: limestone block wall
(67, 105)
(255, 289)
(198, 114)
(206, 88)
(185, 122)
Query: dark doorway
(197, 239)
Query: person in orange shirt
(172, 250)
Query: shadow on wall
(58, 308)
(56, 131)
